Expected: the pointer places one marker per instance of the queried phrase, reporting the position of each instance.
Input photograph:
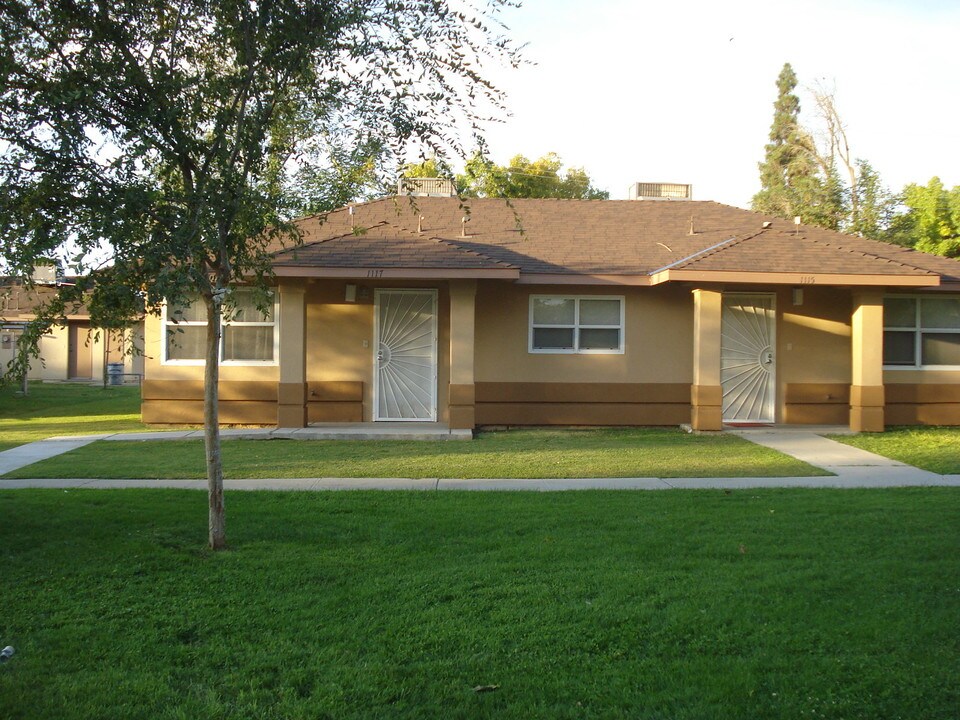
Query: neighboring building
(539, 311)
(74, 351)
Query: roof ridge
(470, 251)
(323, 214)
(864, 253)
(321, 241)
(400, 228)
(453, 244)
(708, 251)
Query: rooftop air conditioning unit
(426, 187)
(660, 191)
(45, 275)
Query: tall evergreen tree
(793, 182)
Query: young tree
(794, 182)
(163, 134)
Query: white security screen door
(747, 358)
(405, 355)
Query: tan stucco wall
(921, 377)
(8, 348)
(814, 356)
(658, 338)
(340, 343)
(52, 364)
(814, 347)
(813, 339)
(339, 335)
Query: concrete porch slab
(317, 431)
(374, 431)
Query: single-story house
(544, 311)
(74, 350)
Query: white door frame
(403, 380)
(748, 354)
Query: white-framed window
(576, 324)
(248, 337)
(921, 332)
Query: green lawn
(646, 452)
(53, 409)
(936, 449)
(752, 604)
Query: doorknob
(767, 358)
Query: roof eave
(397, 273)
(795, 278)
(582, 279)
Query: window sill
(533, 351)
(223, 363)
(914, 368)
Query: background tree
(865, 205)
(523, 178)
(162, 135)
(875, 204)
(331, 176)
(429, 168)
(930, 220)
(794, 180)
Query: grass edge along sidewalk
(932, 448)
(563, 453)
(58, 409)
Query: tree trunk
(211, 421)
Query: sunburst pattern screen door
(747, 358)
(405, 359)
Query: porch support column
(866, 389)
(462, 327)
(292, 388)
(706, 395)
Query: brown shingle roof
(591, 237)
(783, 252)
(18, 302)
(384, 245)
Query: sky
(642, 91)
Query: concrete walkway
(851, 468)
(848, 463)
(23, 455)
